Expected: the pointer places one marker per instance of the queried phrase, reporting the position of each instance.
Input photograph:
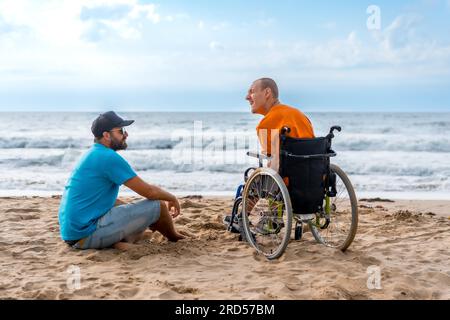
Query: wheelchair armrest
(247, 173)
(258, 156)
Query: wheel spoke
(270, 220)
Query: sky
(198, 55)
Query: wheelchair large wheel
(336, 226)
(267, 213)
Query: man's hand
(174, 208)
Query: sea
(387, 155)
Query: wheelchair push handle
(331, 134)
(285, 131)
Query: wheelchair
(308, 189)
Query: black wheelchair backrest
(305, 165)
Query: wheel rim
(342, 214)
(267, 213)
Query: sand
(409, 241)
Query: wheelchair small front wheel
(338, 228)
(267, 213)
(298, 231)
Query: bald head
(263, 95)
(268, 83)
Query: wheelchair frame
(315, 220)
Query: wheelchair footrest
(305, 217)
(234, 227)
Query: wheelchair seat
(305, 168)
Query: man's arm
(269, 140)
(148, 191)
(152, 192)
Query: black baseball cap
(106, 122)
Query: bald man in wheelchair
(301, 190)
(263, 96)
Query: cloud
(403, 43)
(399, 45)
(401, 32)
(266, 22)
(108, 12)
(97, 32)
(49, 22)
(339, 53)
(5, 27)
(11, 32)
(126, 44)
(331, 25)
(125, 19)
(67, 23)
(216, 46)
(220, 26)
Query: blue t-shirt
(92, 191)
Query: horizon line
(219, 111)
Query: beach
(407, 241)
(123, 99)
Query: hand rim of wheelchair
(288, 211)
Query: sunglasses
(121, 130)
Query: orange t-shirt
(283, 116)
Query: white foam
(399, 153)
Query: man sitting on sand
(263, 98)
(90, 216)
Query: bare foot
(147, 235)
(133, 238)
(177, 237)
(186, 234)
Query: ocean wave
(70, 143)
(148, 160)
(380, 152)
(204, 181)
(433, 124)
(240, 140)
(392, 143)
(398, 163)
(195, 161)
(397, 171)
(147, 142)
(42, 143)
(33, 162)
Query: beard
(118, 144)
